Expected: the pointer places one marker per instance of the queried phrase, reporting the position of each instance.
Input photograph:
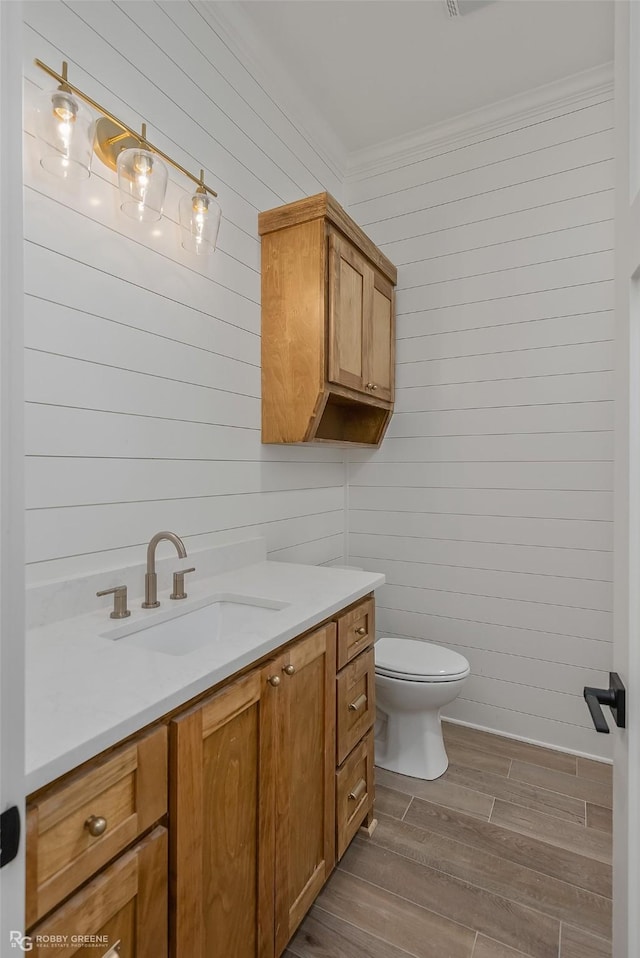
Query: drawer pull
(358, 791)
(359, 702)
(114, 951)
(361, 630)
(96, 825)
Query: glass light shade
(142, 178)
(199, 222)
(65, 128)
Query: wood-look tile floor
(507, 855)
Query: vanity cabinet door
(305, 777)
(120, 914)
(222, 829)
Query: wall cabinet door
(222, 830)
(379, 340)
(305, 777)
(361, 323)
(350, 291)
(120, 914)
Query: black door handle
(9, 835)
(614, 697)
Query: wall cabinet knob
(289, 669)
(96, 825)
(274, 680)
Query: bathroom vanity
(210, 830)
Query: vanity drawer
(79, 825)
(120, 914)
(356, 631)
(355, 702)
(354, 792)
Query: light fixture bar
(62, 78)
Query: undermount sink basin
(217, 619)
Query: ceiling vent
(459, 8)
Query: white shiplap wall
(142, 366)
(489, 505)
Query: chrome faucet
(151, 578)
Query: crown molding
(589, 86)
(238, 31)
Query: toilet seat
(412, 660)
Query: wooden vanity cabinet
(328, 327)
(268, 778)
(252, 805)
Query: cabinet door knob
(289, 669)
(359, 702)
(96, 825)
(358, 791)
(361, 631)
(371, 386)
(274, 680)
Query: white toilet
(414, 680)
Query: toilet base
(411, 744)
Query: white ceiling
(378, 70)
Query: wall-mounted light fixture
(70, 138)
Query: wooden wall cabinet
(328, 327)
(252, 805)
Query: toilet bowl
(414, 680)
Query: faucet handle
(178, 583)
(119, 593)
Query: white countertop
(85, 692)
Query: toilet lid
(412, 658)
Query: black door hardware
(614, 697)
(9, 835)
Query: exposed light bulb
(66, 129)
(143, 181)
(200, 220)
(65, 107)
(200, 202)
